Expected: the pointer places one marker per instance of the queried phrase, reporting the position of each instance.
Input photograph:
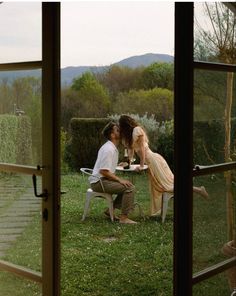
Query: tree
(93, 99)
(155, 101)
(120, 79)
(159, 75)
(70, 106)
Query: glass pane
(20, 117)
(213, 94)
(214, 33)
(21, 138)
(20, 221)
(214, 219)
(215, 286)
(14, 285)
(20, 31)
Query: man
(105, 167)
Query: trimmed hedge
(209, 141)
(16, 143)
(84, 142)
(24, 141)
(8, 136)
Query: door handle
(44, 194)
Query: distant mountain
(69, 73)
(145, 60)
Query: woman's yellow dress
(161, 178)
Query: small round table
(131, 170)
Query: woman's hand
(123, 164)
(139, 168)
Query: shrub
(165, 143)
(149, 124)
(64, 165)
(85, 139)
(209, 141)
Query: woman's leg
(201, 190)
(156, 199)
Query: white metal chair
(165, 200)
(90, 194)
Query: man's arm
(110, 176)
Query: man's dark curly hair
(108, 129)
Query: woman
(161, 178)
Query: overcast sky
(101, 33)
(93, 33)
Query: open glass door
(204, 153)
(214, 249)
(29, 152)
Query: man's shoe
(127, 221)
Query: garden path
(18, 206)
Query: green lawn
(104, 258)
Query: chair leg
(111, 210)
(165, 199)
(86, 206)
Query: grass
(113, 259)
(104, 258)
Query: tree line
(143, 90)
(120, 90)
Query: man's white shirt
(107, 160)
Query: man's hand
(107, 174)
(126, 183)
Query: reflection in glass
(214, 221)
(215, 286)
(17, 286)
(20, 117)
(20, 221)
(210, 103)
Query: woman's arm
(131, 154)
(141, 143)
